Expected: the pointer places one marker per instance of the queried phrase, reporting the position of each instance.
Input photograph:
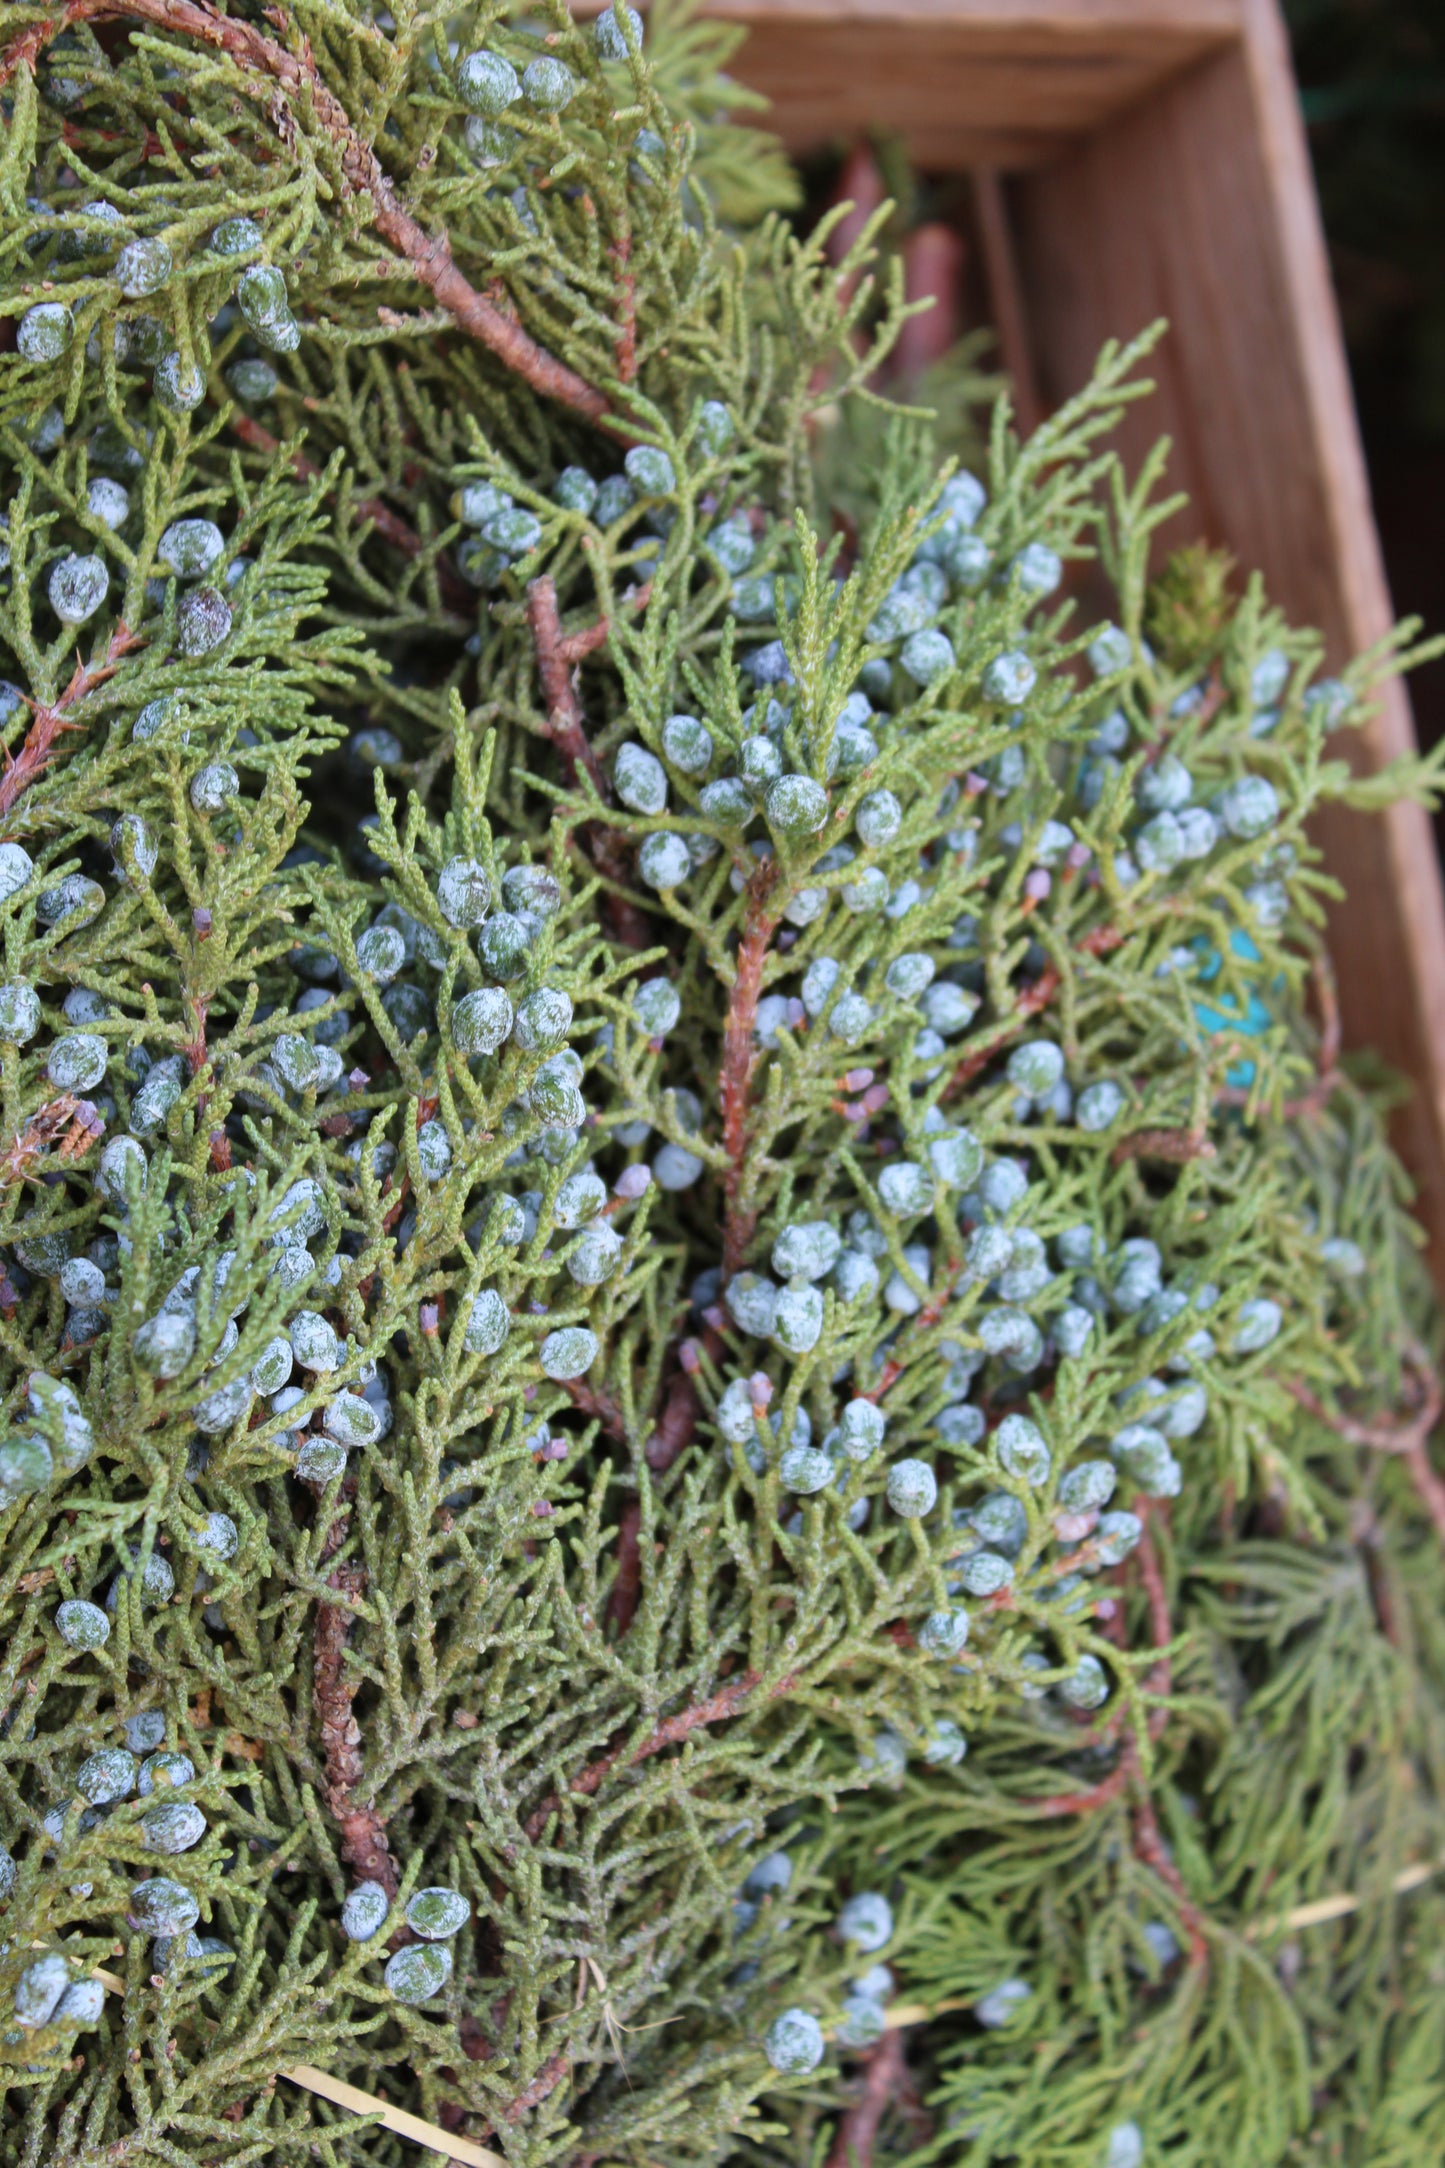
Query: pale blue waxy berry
(313, 1342)
(108, 502)
(949, 1009)
(80, 2006)
(165, 1770)
(421, 1970)
(203, 621)
(77, 588)
(639, 779)
(946, 1746)
(1110, 650)
(19, 1012)
(39, 1989)
(928, 656)
(1159, 844)
(16, 867)
(912, 1489)
(1249, 807)
(433, 1150)
(174, 1827)
(1344, 1257)
(819, 981)
(868, 891)
(575, 491)
(1124, 2147)
(487, 84)
(464, 892)
(1167, 787)
(687, 744)
(664, 861)
(805, 905)
(488, 1323)
(1116, 1536)
(956, 1158)
(656, 1006)
(1002, 1185)
(612, 30)
(543, 1020)
(45, 332)
(752, 1300)
(548, 84)
(798, 1318)
(503, 947)
(852, 1020)
(145, 1730)
(985, 1573)
(214, 786)
(180, 386)
(885, 1759)
(595, 1255)
(807, 1250)
(861, 1428)
(164, 1344)
(910, 975)
(1009, 678)
(759, 764)
(143, 267)
(1022, 1451)
(861, 2022)
(252, 380)
(481, 1021)
(351, 1421)
(106, 1776)
(1256, 1325)
(650, 471)
(1038, 568)
(190, 548)
(805, 1470)
(221, 1410)
(794, 2043)
(962, 1424)
(1099, 1106)
(381, 954)
(1036, 1067)
(676, 1168)
(856, 1277)
(262, 298)
(906, 1188)
(796, 806)
(1087, 1685)
(437, 1914)
(81, 1625)
(363, 1915)
(218, 1537)
(321, 1461)
(1087, 1486)
(163, 1907)
(866, 1922)
(944, 1633)
(1002, 2003)
(77, 1062)
(878, 819)
(728, 801)
(512, 530)
(569, 1353)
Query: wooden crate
(1146, 158)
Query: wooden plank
(966, 81)
(1199, 205)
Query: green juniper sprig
(691, 1291)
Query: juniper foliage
(679, 1242)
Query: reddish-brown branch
(575, 647)
(565, 723)
(1176, 1145)
(366, 179)
(680, 1409)
(882, 2080)
(388, 524)
(48, 721)
(715, 1710)
(621, 252)
(627, 1583)
(1407, 1436)
(599, 1406)
(1031, 1002)
(548, 2078)
(364, 1844)
(759, 926)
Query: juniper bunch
(666, 1172)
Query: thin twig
(719, 1706)
(759, 926)
(1177, 1145)
(365, 177)
(364, 1844)
(1407, 1436)
(882, 2078)
(49, 720)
